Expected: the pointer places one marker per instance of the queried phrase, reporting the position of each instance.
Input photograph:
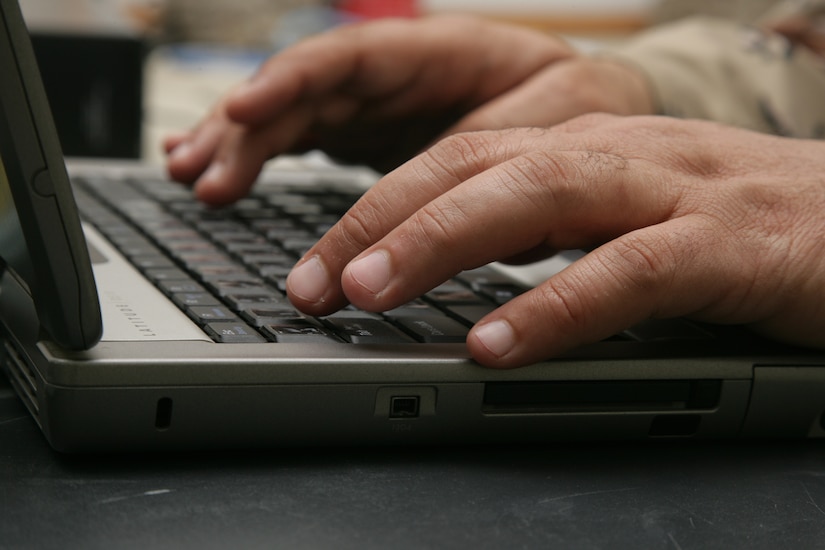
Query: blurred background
(121, 74)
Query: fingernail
(372, 272)
(210, 178)
(180, 152)
(497, 336)
(214, 172)
(309, 281)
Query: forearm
(718, 70)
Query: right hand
(680, 218)
(380, 92)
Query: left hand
(380, 92)
(684, 218)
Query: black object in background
(94, 83)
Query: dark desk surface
(709, 495)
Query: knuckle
(434, 226)
(460, 152)
(646, 263)
(561, 307)
(561, 178)
(541, 178)
(362, 225)
(564, 298)
(542, 168)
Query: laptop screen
(41, 241)
(12, 241)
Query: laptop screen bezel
(60, 279)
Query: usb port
(404, 406)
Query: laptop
(127, 324)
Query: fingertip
(174, 140)
(179, 153)
(310, 288)
(492, 343)
(179, 163)
(214, 188)
(308, 282)
(365, 279)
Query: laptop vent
(22, 377)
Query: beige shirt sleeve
(715, 69)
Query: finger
(239, 158)
(171, 141)
(666, 270)
(190, 157)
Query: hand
(684, 218)
(380, 92)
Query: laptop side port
(404, 406)
(405, 402)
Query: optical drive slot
(600, 396)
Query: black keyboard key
(276, 273)
(165, 274)
(209, 272)
(299, 246)
(285, 234)
(499, 293)
(194, 299)
(225, 287)
(352, 312)
(434, 329)
(176, 286)
(135, 248)
(416, 308)
(483, 276)
(180, 249)
(232, 333)
(261, 246)
(203, 314)
(272, 258)
(182, 234)
(265, 298)
(303, 209)
(366, 331)
(471, 314)
(299, 331)
(155, 261)
(191, 259)
(453, 293)
(262, 316)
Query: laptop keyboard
(226, 268)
